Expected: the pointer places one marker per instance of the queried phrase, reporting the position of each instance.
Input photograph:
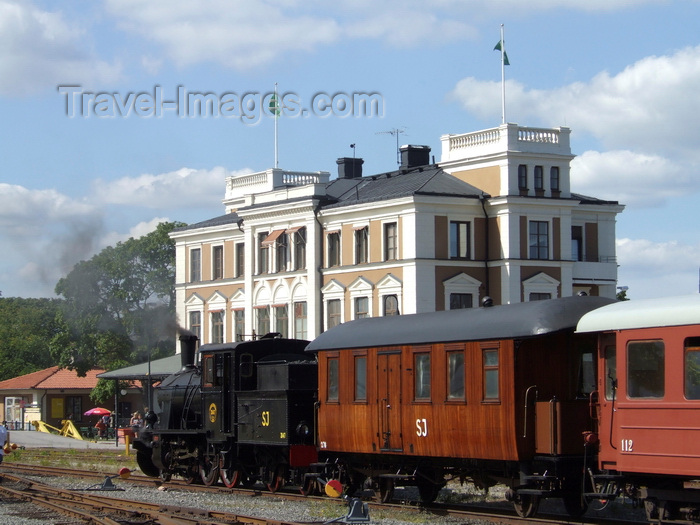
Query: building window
(282, 252)
(645, 369)
(300, 320)
(522, 177)
(240, 259)
(391, 305)
(361, 245)
(282, 320)
(461, 300)
(333, 314)
(421, 366)
(217, 256)
(391, 252)
(196, 324)
(333, 240)
(300, 249)
(361, 307)
(217, 327)
(195, 265)
(554, 178)
(539, 296)
(263, 253)
(539, 240)
(460, 240)
(239, 323)
(455, 376)
(333, 379)
(360, 378)
(539, 178)
(262, 321)
(577, 243)
(74, 407)
(13, 410)
(491, 373)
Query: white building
(297, 253)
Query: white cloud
(39, 49)
(185, 187)
(633, 179)
(657, 269)
(638, 109)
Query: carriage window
(455, 375)
(610, 372)
(692, 368)
(586, 376)
(208, 367)
(422, 376)
(491, 388)
(332, 379)
(645, 369)
(360, 378)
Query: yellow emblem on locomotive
(212, 412)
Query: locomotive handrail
(527, 394)
(593, 401)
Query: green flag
(274, 105)
(505, 56)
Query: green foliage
(622, 295)
(26, 329)
(119, 306)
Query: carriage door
(389, 400)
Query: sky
(105, 129)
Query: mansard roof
(221, 220)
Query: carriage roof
(643, 313)
(519, 320)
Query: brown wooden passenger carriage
(492, 394)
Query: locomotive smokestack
(188, 348)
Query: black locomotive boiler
(243, 414)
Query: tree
(26, 329)
(119, 306)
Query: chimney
(349, 167)
(188, 348)
(414, 156)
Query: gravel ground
(309, 511)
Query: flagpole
(276, 113)
(503, 78)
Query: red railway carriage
(648, 402)
(492, 394)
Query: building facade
(298, 253)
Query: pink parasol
(97, 411)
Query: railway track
(103, 510)
(410, 510)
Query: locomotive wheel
(310, 487)
(192, 475)
(230, 477)
(386, 490)
(143, 459)
(209, 471)
(165, 476)
(526, 505)
(277, 481)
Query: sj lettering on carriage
(422, 427)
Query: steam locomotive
(577, 398)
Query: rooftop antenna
(397, 132)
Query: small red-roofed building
(49, 395)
